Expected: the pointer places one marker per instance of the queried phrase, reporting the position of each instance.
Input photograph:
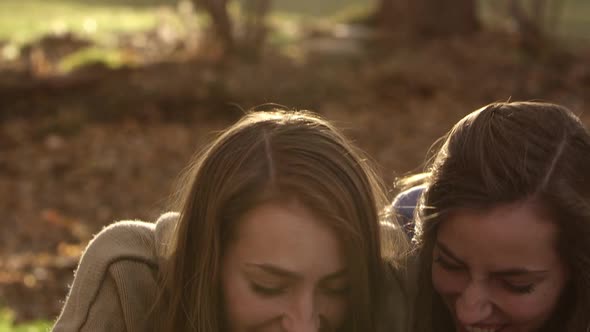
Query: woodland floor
(80, 151)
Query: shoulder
(124, 244)
(123, 240)
(404, 205)
(407, 199)
(131, 240)
(117, 269)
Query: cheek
(530, 310)
(244, 308)
(333, 309)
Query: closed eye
(266, 290)
(336, 290)
(335, 284)
(518, 288)
(447, 265)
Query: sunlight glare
(59, 27)
(90, 25)
(10, 52)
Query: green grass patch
(568, 19)
(7, 323)
(22, 21)
(111, 58)
(25, 20)
(353, 14)
(317, 8)
(575, 22)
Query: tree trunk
(392, 14)
(429, 18)
(255, 27)
(217, 10)
(530, 29)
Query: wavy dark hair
(505, 153)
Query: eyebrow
(278, 271)
(449, 253)
(510, 272)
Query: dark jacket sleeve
(404, 207)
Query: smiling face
(498, 270)
(284, 271)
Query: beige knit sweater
(115, 283)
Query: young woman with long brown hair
(277, 230)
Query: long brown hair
(505, 153)
(274, 155)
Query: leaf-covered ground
(80, 151)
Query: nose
(473, 305)
(301, 315)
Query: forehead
(289, 236)
(512, 234)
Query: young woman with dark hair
(502, 234)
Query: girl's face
(284, 271)
(498, 270)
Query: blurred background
(103, 102)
